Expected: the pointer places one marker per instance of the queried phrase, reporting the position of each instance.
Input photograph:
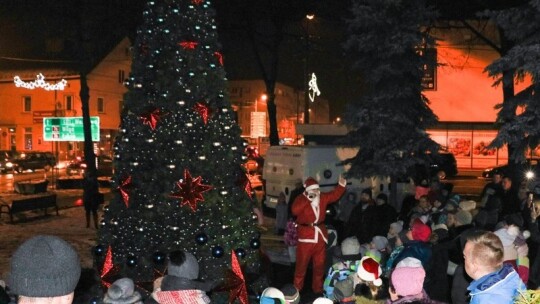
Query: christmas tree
(179, 182)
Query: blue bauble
(255, 243)
(217, 251)
(99, 250)
(95, 300)
(241, 252)
(159, 257)
(131, 261)
(201, 238)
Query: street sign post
(68, 128)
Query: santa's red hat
(311, 184)
(369, 271)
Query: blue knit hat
(44, 266)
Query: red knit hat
(369, 271)
(311, 184)
(420, 231)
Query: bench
(28, 204)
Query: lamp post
(309, 17)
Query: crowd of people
(438, 248)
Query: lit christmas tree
(179, 181)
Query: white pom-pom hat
(369, 271)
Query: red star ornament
(237, 282)
(219, 57)
(197, 2)
(109, 270)
(188, 45)
(190, 190)
(204, 110)
(148, 286)
(151, 117)
(124, 188)
(243, 181)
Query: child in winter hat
(44, 266)
(291, 294)
(122, 291)
(407, 279)
(181, 280)
(369, 271)
(420, 231)
(272, 295)
(350, 248)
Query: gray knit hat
(44, 266)
(183, 264)
(122, 291)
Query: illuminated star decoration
(188, 45)
(108, 270)
(40, 83)
(237, 283)
(197, 2)
(148, 286)
(204, 110)
(219, 57)
(243, 181)
(151, 117)
(124, 188)
(190, 190)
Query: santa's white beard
(314, 198)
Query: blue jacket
(498, 287)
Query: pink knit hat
(369, 271)
(408, 277)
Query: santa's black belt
(311, 224)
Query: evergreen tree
(388, 123)
(520, 25)
(179, 181)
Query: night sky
(48, 29)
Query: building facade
(23, 109)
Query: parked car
(104, 166)
(33, 160)
(7, 161)
(531, 165)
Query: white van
(284, 166)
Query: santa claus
(310, 210)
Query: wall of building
(23, 130)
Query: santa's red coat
(312, 237)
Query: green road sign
(68, 128)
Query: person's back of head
(183, 264)
(483, 253)
(44, 268)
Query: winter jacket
(415, 249)
(499, 287)
(338, 272)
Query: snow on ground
(70, 225)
